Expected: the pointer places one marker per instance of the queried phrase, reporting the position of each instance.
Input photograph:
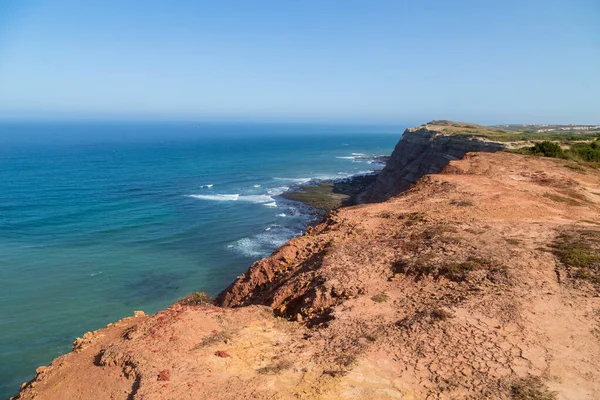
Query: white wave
(259, 198)
(263, 244)
(272, 204)
(324, 177)
(248, 247)
(278, 190)
(216, 197)
(256, 186)
(358, 154)
(268, 228)
(281, 215)
(347, 157)
(206, 186)
(295, 180)
(96, 273)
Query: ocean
(100, 219)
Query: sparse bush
(531, 388)
(457, 272)
(441, 314)
(462, 203)
(575, 167)
(561, 199)
(196, 299)
(371, 338)
(579, 252)
(345, 360)
(213, 338)
(274, 369)
(380, 297)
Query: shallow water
(98, 220)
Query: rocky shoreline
(323, 196)
(327, 195)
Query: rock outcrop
(479, 282)
(421, 151)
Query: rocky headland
(477, 276)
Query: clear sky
(301, 60)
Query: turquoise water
(98, 220)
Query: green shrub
(586, 151)
(548, 149)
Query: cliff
(480, 281)
(424, 150)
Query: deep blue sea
(100, 219)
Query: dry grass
(462, 203)
(213, 338)
(561, 199)
(531, 388)
(575, 167)
(274, 369)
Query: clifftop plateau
(479, 281)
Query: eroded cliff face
(422, 150)
(459, 287)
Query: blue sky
(302, 61)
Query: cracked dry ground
(466, 286)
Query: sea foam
(258, 199)
(216, 197)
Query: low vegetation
(276, 368)
(531, 388)
(213, 338)
(579, 253)
(462, 203)
(511, 133)
(441, 314)
(196, 299)
(562, 199)
(380, 297)
(457, 272)
(582, 153)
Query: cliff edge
(424, 150)
(480, 281)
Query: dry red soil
(451, 290)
